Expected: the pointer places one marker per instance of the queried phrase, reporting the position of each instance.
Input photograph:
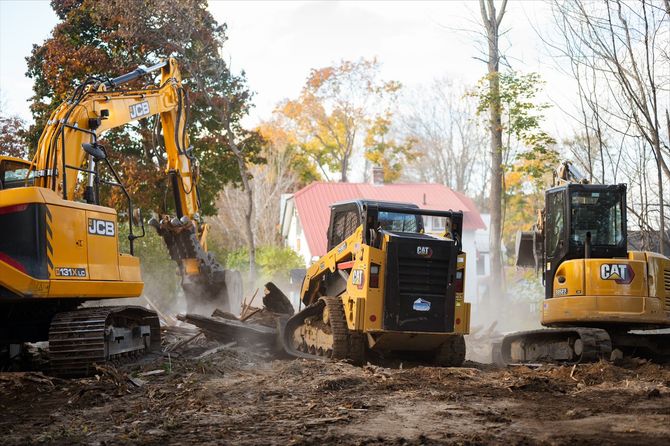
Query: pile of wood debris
(257, 327)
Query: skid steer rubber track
(81, 339)
(559, 345)
(451, 353)
(345, 344)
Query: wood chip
(153, 372)
(216, 349)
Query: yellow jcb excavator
(384, 286)
(599, 296)
(59, 246)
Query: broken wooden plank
(225, 330)
(216, 349)
(276, 301)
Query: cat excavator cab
(59, 246)
(599, 296)
(385, 286)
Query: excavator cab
(600, 298)
(583, 221)
(15, 172)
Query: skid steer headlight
(459, 281)
(374, 276)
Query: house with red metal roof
(304, 218)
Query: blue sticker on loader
(421, 305)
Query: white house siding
(296, 239)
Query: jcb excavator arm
(68, 147)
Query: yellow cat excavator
(59, 246)
(599, 296)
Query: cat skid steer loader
(384, 286)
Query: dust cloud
(516, 309)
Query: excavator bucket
(528, 249)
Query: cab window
(13, 174)
(555, 221)
(399, 222)
(344, 224)
(598, 213)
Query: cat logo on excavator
(621, 273)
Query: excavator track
(80, 339)
(320, 332)
(563, 345)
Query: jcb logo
(620, 273)
(425, 251)
(138, 110)
(101, 227)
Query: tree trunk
(492, 24)
(344, 167)
(661, 232)
(249, 211)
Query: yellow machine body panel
(629, 291)
(80, 248)
(363, 299)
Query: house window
(481, 264)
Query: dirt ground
(241, 396)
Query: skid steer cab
(385, 286)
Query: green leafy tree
(273, 261)
(385, 151)
(529, 153)
(521, 119)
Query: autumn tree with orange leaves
(338, 108)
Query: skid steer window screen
(397, 222)
(344, 224)
(598, 213)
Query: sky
(276, 43)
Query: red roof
(313, 204)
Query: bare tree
(492, 20)
(616, 47)
(442, 120)
(269, 181)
